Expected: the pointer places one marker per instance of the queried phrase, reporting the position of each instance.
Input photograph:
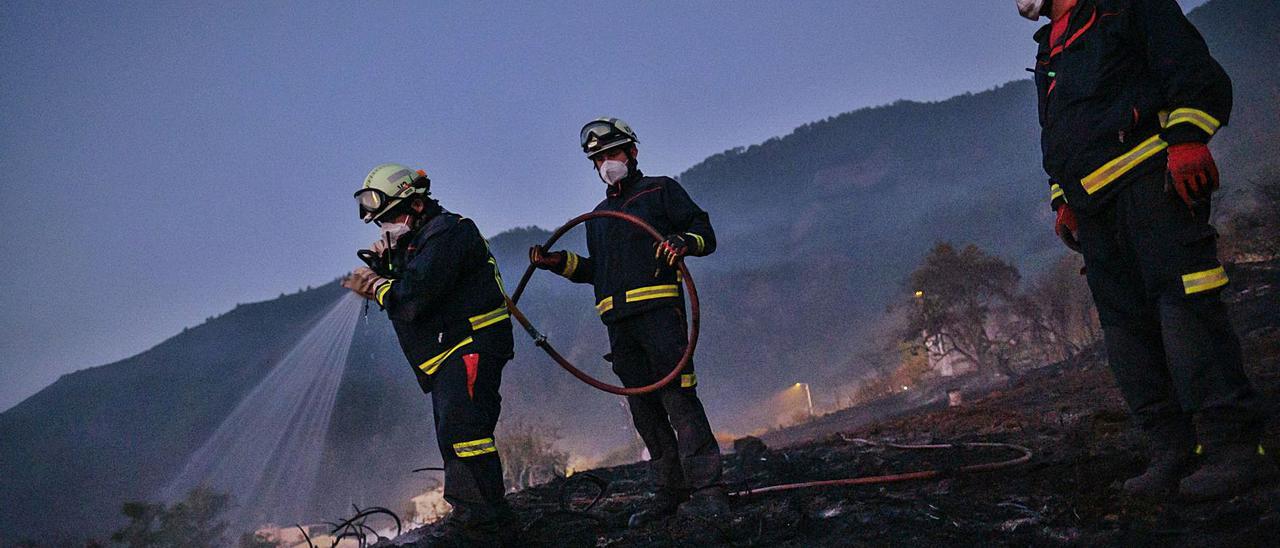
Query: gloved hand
(547, 260)
(1192, 172)
(671, 249)
(363, 282)
(1066, 226)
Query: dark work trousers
(466, 403)
(1155, 277)
(683, 452)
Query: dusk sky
(162, 162)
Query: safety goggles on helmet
(373, 201)
(605, 133)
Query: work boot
(1167, 466)
(663, 505)
(706, 503)
(1228, 471)
(463, 529)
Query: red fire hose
(541, 340)
(891, 478)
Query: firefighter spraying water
(433, 274)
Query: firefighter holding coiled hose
(639, 299)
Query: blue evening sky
(163, 161)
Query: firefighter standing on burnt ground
(440, 286)
(639, 299)
(1129, 96)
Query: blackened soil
(1070, 415)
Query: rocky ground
(1069, 415)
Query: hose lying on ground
(541, 340)
(565, 507)
(906, 476)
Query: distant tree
(194, 522)
(960, 301)
(1058, 313)
(144, 524)
(528, 453)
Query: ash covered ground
(1069, 415)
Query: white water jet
(266, 454)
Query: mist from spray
(266, 454)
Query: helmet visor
(371, 199)
(373, 203)
(598, 132)
(602, 135)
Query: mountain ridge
(817, 230)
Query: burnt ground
(1069, 414)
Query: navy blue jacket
(448, 297)
(1127, 79)
(627, 278)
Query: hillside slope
(818, 229)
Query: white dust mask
(612, 171)
(393, 231)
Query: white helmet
(603, 134)
(386, 186)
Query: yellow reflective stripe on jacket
(653, 292)
(1199, 118)
(1112, 170)
(641, 294)
(489, 318)
(702, 244)
(497, 274)
(1055, 192)
(381, 291)
(604, 306)
(430, 366)
(1204, 280)
(475, 447)
(688, 380)
(570, 264)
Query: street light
(807, 395)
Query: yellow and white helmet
(386, 186)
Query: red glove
(541, 258)
(1066, 227)
(670, 250)
(1192, 172)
